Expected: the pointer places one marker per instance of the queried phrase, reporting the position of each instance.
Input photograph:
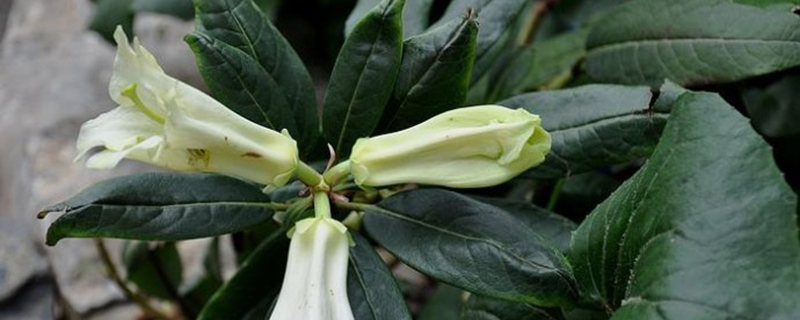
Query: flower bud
(469, 147)
(315, 284)
(165, 122)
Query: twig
(539, 10)
(141, 301)
(551, 204)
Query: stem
(538, 12)
(308, 175)
(322, 205)
(355, 206)
(551, 204)
(338, 172)
(105, 257)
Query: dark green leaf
(415, 16)
(363, 76)
(264, 81)
(552, 227)
(543, 65)
(593, 126)
(691, 42)
(769, 3)
(434, 75)
(705, 230)
(258, 278)
(160, 206)
(496, 19)
(178, 8)
(576, 14)
(371, 288)
(158, 271)
(112, 13)
(472, 245)
(445, 304)
(484, 308)
(775, 109)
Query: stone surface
(34, 302)
(20, 259)
(54, 76)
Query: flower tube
(469, 147)
(168, 123)
(315, 284)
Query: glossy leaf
(483, 308)
(415, 15)
(158, 271)
(371, 288)
(264, 80)
(496, 19)
(553, 228)
(363, 76)
(160, 206)
(593, 126)
(691, 42)
(434, 75)
(472, 245)
(705, 230)
(258, 278)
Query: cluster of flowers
(165, 122)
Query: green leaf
(775, 108)
(112, 13)
(553, 228)
(415, 16)
(691, 42)
(705, 230)
(257, 279)
(593, 126)
(768, 3)
(363, 76)
(160, 206)
(496, 19)
(157, 271)
(371, 288)
(543, 65)
(434, 75)
(472, 245)
(264, 80)
(484, 308)
(177, 8)
(445, 304)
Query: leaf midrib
(490, 242)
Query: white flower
(165, 122)
(470, 147)
(315, 284)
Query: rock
(54, 76)
(20, 260)
(34, 302)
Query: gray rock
(20, 260)
(34, 302)
(54, 76)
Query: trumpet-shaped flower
(470, 147)
(315, 284)
(165, 122)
